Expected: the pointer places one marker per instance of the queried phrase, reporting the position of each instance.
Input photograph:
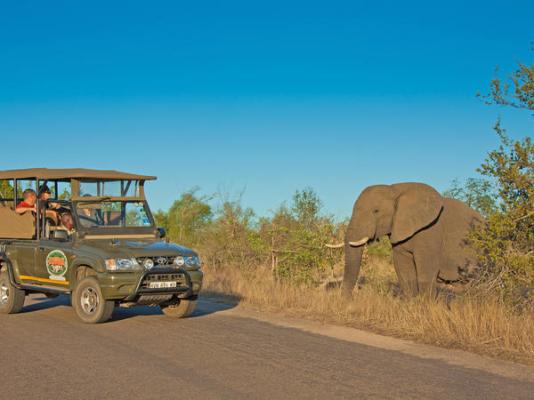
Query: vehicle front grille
(159, 261)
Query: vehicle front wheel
(89, 303)
(11, 298)
(181, 309)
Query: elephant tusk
(335, 246)
(360, 242)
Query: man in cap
(52, 209)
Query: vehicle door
(53, 258)
(21, 253)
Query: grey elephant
(428, 233)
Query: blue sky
(260, 97)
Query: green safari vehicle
(89, 234)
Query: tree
(187, 218)
(477, 193)
(516, 91)
(306, 207)
(506, 243)
(297, 235)
(6, 189)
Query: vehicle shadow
(207, 305)
(39, 302)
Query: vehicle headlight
(122, 264)
(193, 261)
(148, 263)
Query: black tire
(11, 298)
(89, 304)
(182, 309)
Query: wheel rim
(90, 300)
(4, 293)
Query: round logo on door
(57, 264)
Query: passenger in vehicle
(52, 209)
(28, 203)
(88, 215)
(67, 223)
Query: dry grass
(482, 326)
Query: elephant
(428, 233)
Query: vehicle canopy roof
(71, 173)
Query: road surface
(225, 353)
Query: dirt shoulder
(477, 324)
(461, 358)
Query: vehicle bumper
(129, 287)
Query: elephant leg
(405, 268)
(427, 267)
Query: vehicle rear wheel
(89, 304)
(181, 309)
(11, 298)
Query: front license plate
(162, 285)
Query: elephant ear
(418, 206)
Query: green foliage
(381, 248)
(516, 91)
(290, 243)
(187, 219)
(306, 207)
(506, 243)
(6, 190)
(297, 238)
(230, 238)
(65, 194)
(477, 193)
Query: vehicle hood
(106, 248)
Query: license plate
(162, 285)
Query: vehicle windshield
(109, 188)
(113, 214)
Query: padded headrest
(15, 226)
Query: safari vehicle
(113, 256)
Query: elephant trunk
(353, 261)
(361, 229)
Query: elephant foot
(427, 290)
(409, 289)
(346, 292)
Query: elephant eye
(376, 210)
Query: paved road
(46, 353)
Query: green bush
(477, 193)
(506, 243)
(290, 243)
(297, 236)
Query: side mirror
(60, 235)
(162, 233)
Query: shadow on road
(207, 305)
(40, 302)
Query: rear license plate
(162, 285)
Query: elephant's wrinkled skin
(428, 233)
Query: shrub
(506, 243)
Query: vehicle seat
(15, 226)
